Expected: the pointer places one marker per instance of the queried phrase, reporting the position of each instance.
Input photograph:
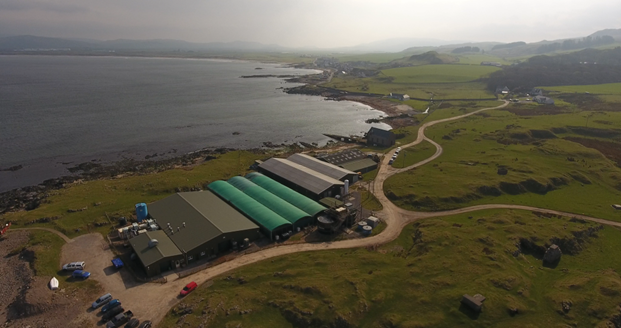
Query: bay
(58, 111)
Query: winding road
(164, 296)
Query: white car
(102, 300)
(74, 266)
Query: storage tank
(366, 230)
(141, 211)
(346, 187)
(361, 225)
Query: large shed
(325, 168)
(156, 252)
(293, 197)
(296, 216)
(271, 223)
(301, 179)
(201, 224)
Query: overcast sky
(320, 23)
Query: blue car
(111, 305)
(80, 274)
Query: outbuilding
(379, 137)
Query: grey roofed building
(201, 223)
(475, 303)
(543, 100)
(362, 165)
(159, 257)
(380, 137)
(322, 167)
(300, 178)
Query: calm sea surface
(56, 112)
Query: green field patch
(503, 158)
(476, 59)
(599, 89)
(426, 270)
(438, 73)
(412, 155)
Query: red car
(188, 288)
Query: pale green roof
(149, 255)
(359, 165)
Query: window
(202, 253)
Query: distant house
(536, 92)
(474, 302)
(380, 137)
(488, 63)
(399, 96)
(502, 90)
(543, 100)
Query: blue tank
(141, 211)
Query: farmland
(598, 89)
(438, 73)
(418, 280)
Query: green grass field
(544, 170)
(413, 155)
(438, 73)
(418, 280)
(598, 89)
(476, 59)
(118, 196)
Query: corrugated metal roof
(322, 167)
(341, 157)
(218, 212)
(252, 208)
(205, 216)
(164, 248)
(298, 200)
(359, 165)
(271, 201)
(304, 177)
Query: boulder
(552, 255)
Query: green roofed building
(291, 196)
(296, 216)
(271, 223)
(156, 252)
(198, 224)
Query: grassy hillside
(599, 89)
(117, 197)
(438, 73)
(418, 280)
(544, 157)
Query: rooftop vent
(153, 243)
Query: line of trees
(509, 45)
(465, 49)
(589, 66)
(576, 44)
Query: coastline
(30, 197)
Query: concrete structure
(474, 302)
(543, 100)
(380, 137)
(300, 178)
(197, 224)
(552, 255)
(399, 96)
(372, 221)
(325, 168)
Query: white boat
(54, 283)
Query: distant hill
(589, 66)
(35, 42)
(615, 33)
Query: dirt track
(152, 301)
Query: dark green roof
(258, 212)
(165, 247)
(271, 201)
(196, 218)
(291, 196)
(359, 165)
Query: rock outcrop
(552, 255)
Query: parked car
(390, 161)
(133, 323)
(112, 313)
(111, 305)
(188, 288)
(119, 319)
(74, 266)
(145, 324)
(80, 274)
(102, 300)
